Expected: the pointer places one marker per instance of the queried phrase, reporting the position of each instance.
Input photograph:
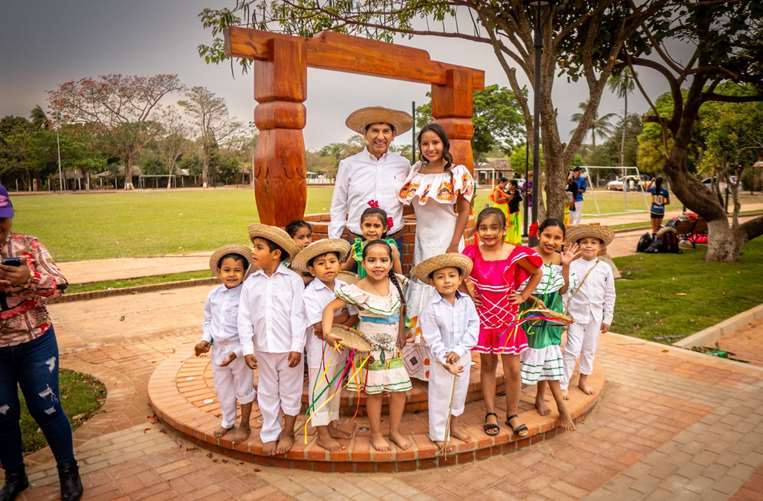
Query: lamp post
(538, 47)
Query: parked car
(708, 183)
(635, 183)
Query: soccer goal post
(615, 189)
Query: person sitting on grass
(271, 327)
(322, 259)
(450, 326)
(591, 303)
(233, 379)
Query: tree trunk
(128, 171)
(724, 243)
(625, 126)
(205, 164)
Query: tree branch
(675, 89)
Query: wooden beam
(338, 52)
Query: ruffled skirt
(542, 364)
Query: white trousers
(324, 413)
(576, 216)
(441, 386)
(232, 383)
(582, 340)
(279, 389)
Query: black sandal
(521, 430)
(491, 429)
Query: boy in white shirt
(450, 327)
(271, 326)
(590, 302)
(323, 260)
(233, 379)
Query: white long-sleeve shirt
(594, 300)
(221, 315)
(363, 177)
(271, 312)
(317, 296)
(449, 327)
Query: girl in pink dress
(499, 268)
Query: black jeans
(34, 367)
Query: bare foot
(327, 442)
(285, 442)
(228, 359)
(378, 443)
(566, 422)
(220, 431)
(400, 441)
(240, 434)
(540, 406)
(269, 448)
(341, 430)
(565, 394)
(460, 433)
(586, 389)
(444, 447)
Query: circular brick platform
(182, 394)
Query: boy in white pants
(323, 260)
(271, 326)
(590, 302)
(233, 379)
(450, 326)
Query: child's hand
(570, 254)
(604, 328)
(318, 330)
(452, 357)
(201, 347)
(517, 297)
(332, 339)
(251, 361)
(454, 369)
(294, 358)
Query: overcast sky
(46, 42)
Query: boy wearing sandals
(590, 303)
(323, 260)
(271, 327)
(450, 326)
(233, 379)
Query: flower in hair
(389, 222)
(373, 203)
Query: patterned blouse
(23, 316)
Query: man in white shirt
(372, 174)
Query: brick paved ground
(671, 424)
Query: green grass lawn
(81, 395)
(149, 223)
(665, 297)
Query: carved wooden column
(452, 109)
(280, 88)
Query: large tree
(497, 119)
(580, 38)
(122, 106)
(727, 45)
(213, 123)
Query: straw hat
(347, 277)
(241, 250)
(593, 230)
(275, 235)
(359, 119)
(319, 248)
(452, 259)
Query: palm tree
(600, 126)
(622, 84)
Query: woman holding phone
(29, 357)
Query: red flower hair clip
(389, 222)
(373, 203)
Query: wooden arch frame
(280, 88)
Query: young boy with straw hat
(450, 326)
(233, 378)
(323, 260)
(590, 301)
(271, 326)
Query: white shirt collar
(373, 158)
(281, 269)
(439, 299)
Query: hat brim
(275, 235)
(360, 119)
(578, 232)
(218, 254)
(424, 269)
(318, 248)
(348, 277)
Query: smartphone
(12, 261)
